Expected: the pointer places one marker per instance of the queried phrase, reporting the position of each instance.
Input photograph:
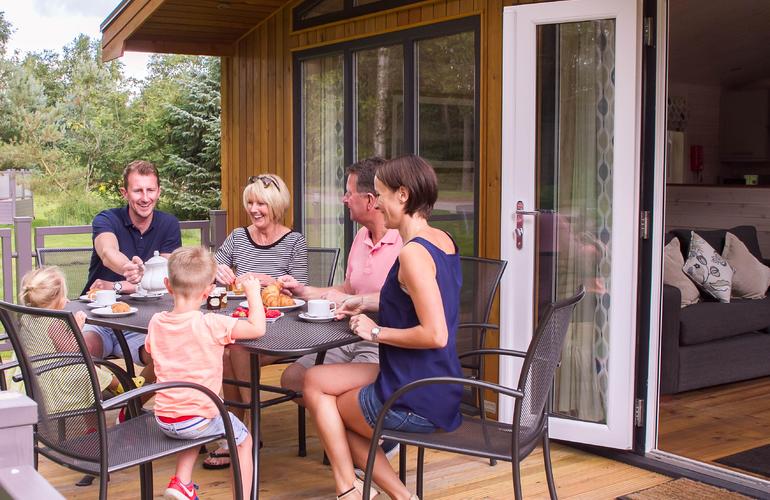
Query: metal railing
(212, 233)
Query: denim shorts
(396, 419)
(198, 427)
(111, 346)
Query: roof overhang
(199, 27)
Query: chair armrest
(499, 352)
(8, 365)
(489, 326)
(118, 372)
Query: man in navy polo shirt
(123, 239)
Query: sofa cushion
(709, 270)
(707, 321)
(716, 238)
(751, 278)
(673, 275)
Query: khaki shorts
(360, 352)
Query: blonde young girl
(46, 288)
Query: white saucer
(297, 303)
(107, 312)
(146, 296)
(94, 305)
(315, 319)
(85, 298)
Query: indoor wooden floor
(448, 476)
(708, 424)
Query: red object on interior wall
(696, 158)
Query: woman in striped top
(266, 249)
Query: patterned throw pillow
(709, 270)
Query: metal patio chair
(59, 375)
(321, 266)
(481, 280)
(491, 439)
(73, 262)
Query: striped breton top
(288, 255)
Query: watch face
(117, 286)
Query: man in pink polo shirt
(372, 254)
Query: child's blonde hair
(43, 287)
(191, 270)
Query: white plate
(85, 298)
(94, 305)
(107, 312)
(234, 295)
(315, 319)
(297, 303)
(146, 296)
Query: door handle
(518, 215)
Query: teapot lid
(156, 259)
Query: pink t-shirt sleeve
(220, 327)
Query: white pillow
(752, 278)
(673, 274)
(709, 270)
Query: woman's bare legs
(331, 395)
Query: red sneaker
(178, 491)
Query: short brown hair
(140, 167)
(191, 270)
(365, 171)
(417, 176)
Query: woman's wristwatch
(375, 334)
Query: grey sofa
(711, 343)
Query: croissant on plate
(272, 296)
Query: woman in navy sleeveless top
(415, 329)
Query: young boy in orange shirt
(188, 345)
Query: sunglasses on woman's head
(266, 181)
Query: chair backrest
(481, 278)
(59, 376)
(539, 367)
(321, 266)
(74, 263)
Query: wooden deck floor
(711, 423)
(578, 475)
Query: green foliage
(76, 122)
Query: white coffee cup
(321, 308)
(105, 297)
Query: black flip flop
(86, 480)
(214, 454)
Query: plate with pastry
(90, 296)
(272, 298)
(295, 303)
(116, 310)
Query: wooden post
(218, 227)
(23, 234)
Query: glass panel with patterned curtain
(446, 130)
(575, 175)
(323, 119)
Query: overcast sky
(52, 24)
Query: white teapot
(155, 269)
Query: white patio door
(571, 115)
